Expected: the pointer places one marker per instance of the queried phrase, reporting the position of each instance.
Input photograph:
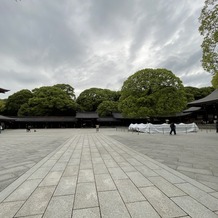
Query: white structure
(163, 128)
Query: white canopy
(163, 128)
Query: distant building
(3, 90)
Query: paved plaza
(113, 173)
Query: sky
(97, 43)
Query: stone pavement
(93, 175)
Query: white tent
(163, 128)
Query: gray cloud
(97, 43)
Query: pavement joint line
(9, 189)
(86, 148)
(176, 173)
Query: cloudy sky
(97, 43)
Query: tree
(90, 99)
(152, 92)
(209, 30)
(215, 81)
(106, 108)
(15, 101)
(68, 89)
(2, 106)
(48, 101)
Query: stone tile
(13, 170)
(142, 209)
(110, 163)
(86, 176)
(191, 181)
(194, 170)
(66, 186)
(215, 194)
(104, 182)
(199, 195)
(146, 171)
(9, 209)
(86, 196)
(100, 169)
(134, 162)
(74, 161)
(85, 165)
(51, 179)
(71, 171)
(60, 206)
(169, 176)
(37, 202)
(149, 164)
(117, 173)
(24, 191)
(167, 188)
(112, 205)
(59, 167)
(87, 213)
(129, 191)
(97, 160)
(40, 173)
(7, 177)
(129, 169)
(49, 163)
(193, 208)
(36, 216)
(161, 203)
(138, 179)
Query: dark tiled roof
(3, 90)
(87, 115)
(117, 115)
(106, 119)
(46, 119)
(192, 109)
(210, 99)
(6, 118)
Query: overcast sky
(97, 43)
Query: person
(97, 128)
(172, 128)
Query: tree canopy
(209, 30)
(68, 89)
(90, 99)
(152, 92)
(14, 102)
(48, 101)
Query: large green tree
(194, 93)
(90, 99)
(48, 101)
(209, 30)
(14, 101)
(152, 92)
(106, 108)
(68, 89)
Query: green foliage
(2, 106)
(106, 108)
(193, 93)
(152, 92)
(215, 81)
(90, 99)
(14, 102)
(68, 89)
(48, 101)
(209, 30)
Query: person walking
(172, 128)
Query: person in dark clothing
(172, 128)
